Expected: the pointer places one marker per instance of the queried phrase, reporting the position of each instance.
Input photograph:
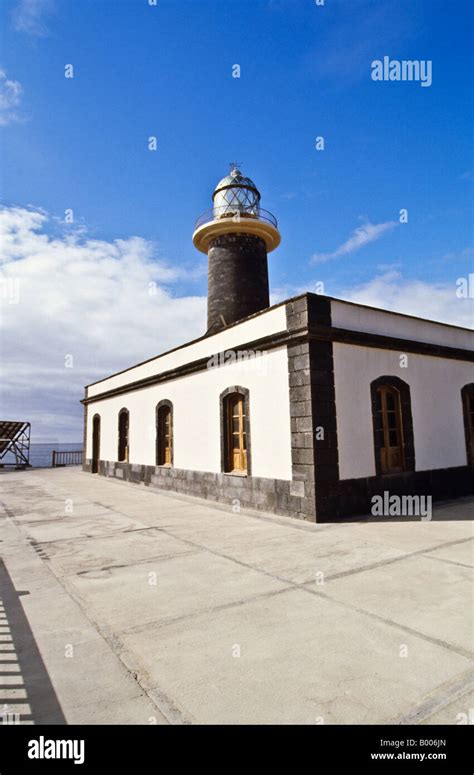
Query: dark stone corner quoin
(313, 406)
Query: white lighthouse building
(307, 408)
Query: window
(235, 431)
(123, 444)
(467, 394)
(389, 428)
(95, 443)
(393, 426)
(164, 433)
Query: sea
(41, 454)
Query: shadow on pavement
(26, 692)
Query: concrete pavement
(124, 605)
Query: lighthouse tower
(236, 234)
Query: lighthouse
(237, 235)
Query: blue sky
(166, 70)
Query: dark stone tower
(237, 235)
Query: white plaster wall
(196, 416)
(357, 317)
(261, 325)
(435, 387)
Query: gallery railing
(236, 212)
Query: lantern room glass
(236, 195)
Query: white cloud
(461, 255)
(108, 304)
(368, 232)
(28, 16)
(435, 301)
(10, 97)
(391, 291)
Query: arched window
(235, 430)
(164, 433)
(467, 394)
(95, 443)
(393, 425)
(123, 431)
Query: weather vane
(234, 165)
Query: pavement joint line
(113, 510)
(450, 562)
(110, 534)
(159, 623)
(168, 708)
(48, 521)
(102, 537)
(438, 699)
(403, 627)
(143, 561)
(391, 560)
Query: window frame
(404, 423)
(384, 391)
(159, 448)
(225, 429)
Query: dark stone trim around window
(242, 391)
(406, 421)
(467, 391)
(169, 404)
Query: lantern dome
(236, 194)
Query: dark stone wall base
(276, 496)
(353, 496)
(349, 497)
